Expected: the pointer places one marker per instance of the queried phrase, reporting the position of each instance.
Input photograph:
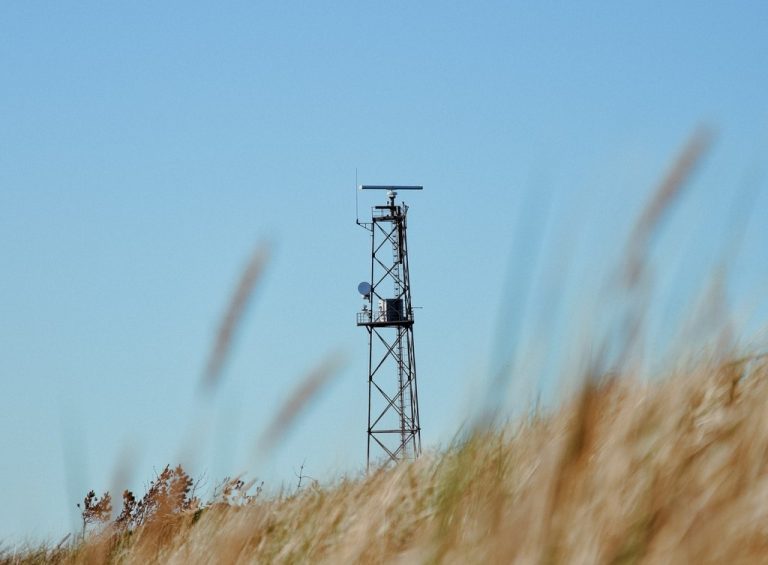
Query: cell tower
(387, 315)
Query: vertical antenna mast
(394, 431)
(357, 214)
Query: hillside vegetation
(670, 472)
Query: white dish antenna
(364, 288)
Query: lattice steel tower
(387, 315)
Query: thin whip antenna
(357, 214)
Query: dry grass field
(670, 472)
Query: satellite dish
(364, 288)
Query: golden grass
(670, 472)
(299, 399)
(236, 308)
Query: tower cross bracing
(394, 432)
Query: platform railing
(380, 317)
(381, 213)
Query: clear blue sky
(146, 148)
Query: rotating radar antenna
(394, 432)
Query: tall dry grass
(628, 472)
